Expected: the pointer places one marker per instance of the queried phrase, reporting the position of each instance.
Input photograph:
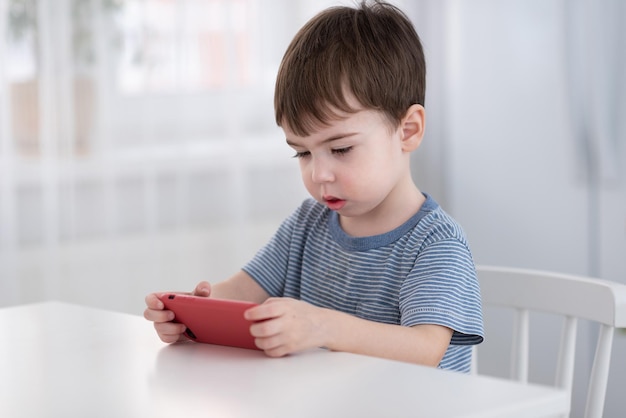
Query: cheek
(374, 168)
(359, 179)
(380, 174)
(305, 173)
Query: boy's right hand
(168, 331)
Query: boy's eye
(341, 151)
(338, 151)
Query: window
(186, 45)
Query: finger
(203, 289)
(280, 351)
(268, 343)
(273, 348)
(264, 329)
(267, 310)
(156, 315)
(169, 332)
(153, 301)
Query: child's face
(355, 165)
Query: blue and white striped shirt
(419, 273)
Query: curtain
(595, 63)
(138, 146)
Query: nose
(321, 171)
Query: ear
(412, 126)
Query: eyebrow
(329, 139)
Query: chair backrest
(572, 297)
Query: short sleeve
(443, 289)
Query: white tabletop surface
(61, 360)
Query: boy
(370, 265)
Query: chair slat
(520, 347)
(567, 354)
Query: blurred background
(138, 149)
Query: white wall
(512, 169)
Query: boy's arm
(290, 325)
(421, 344)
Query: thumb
(202, 289)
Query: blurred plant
(83, 34)
(22, 18)
(23, 24)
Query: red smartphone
(210, 320)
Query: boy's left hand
(285, 325)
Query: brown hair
(371, 52)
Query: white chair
(573, 297)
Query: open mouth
(334, 203)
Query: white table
(61, 360)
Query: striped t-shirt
(419, 273)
